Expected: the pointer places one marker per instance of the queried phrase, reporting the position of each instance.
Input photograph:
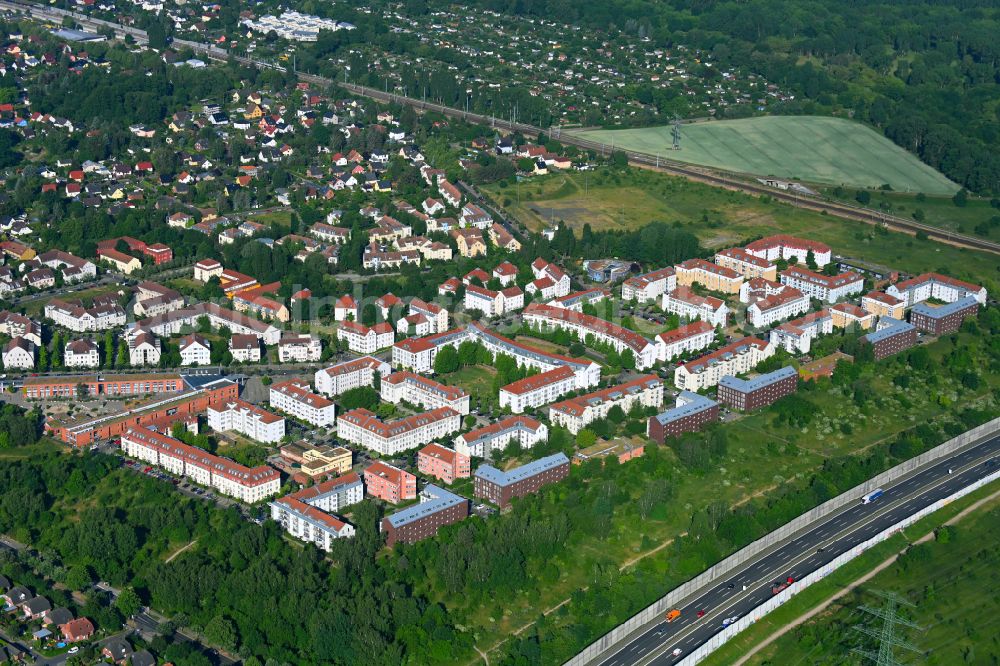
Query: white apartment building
(493, 303)
(206, 269)
(826, 288)
(81, 354)
(405, 386)
(796, 336)
(335, 494)
(578, 299)
(784, 247)
(366, 340)
(294, 397)
(759, 288)
(218, 317)
(547, 316)
(436, 315)
(82, 320)
(19, 354)
(256, 423)
(688, 338)
(246, 484)
(418, 354)
(550, 280)
(360, 426)
(736, 358)
(299, 349)
(935, 285)
(244, 348)
(415, 324)
(691, 306)
(537, 390)
(789, 302)
(576, 413)
(748, 265)
(153, 299)
(345, 376)
(294, 26)
(195, 350)
(346, 309)
(143, 349)
(524, 430)
(650, 286)
(309, 524)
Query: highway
(749, 586)
(739, 182)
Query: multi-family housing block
(943, 319)
(493, 303)
(218, 317)
(296, 399)
(935, 285)
(143, 349)
(748, 265)
(317, 460)
(437, 508)
(786, 303)
(195, 349)
(418, 353)
(621, 339)
(550, 280)
(713, 277)
(244, 348)
(848, 314)
(389, 483)
(576, 300)
(738, 357)
(405, 386)
(649, 286)
(366, 339)
(443, 463)
(306, 514)
(248, 484)
(256, 423)
(750, 394)
(576, 413)
(882, 304)
(784, 247)
(436, 315)
(501, 488)
(685, 339)
(524, 430)
(351, 374)
(827, 288)
(689, 414)
(797, 335)
(19, 354)
(75, 317)
(891, 337)
(299, 348)
(537, 390)
(362, 427)
(81, 354)
(153, 299)
(691, 306)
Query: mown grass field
(629, 199)
(807, 148)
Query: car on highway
(673, 615)
(729, 620)
(676, 652)
(700, 613)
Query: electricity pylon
(886, 635)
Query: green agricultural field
(607, 199)
(813, 149)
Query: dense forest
(924, 72)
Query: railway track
(741, 183)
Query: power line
(886, 635)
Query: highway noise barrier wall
(744, 622)
(655, 611)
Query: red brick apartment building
(892, 337)
(691, 412)
(390, 483)
(161, 411)
(501, 488)
(747, 395)
(443, 463)
(943, 319)
(438, 507)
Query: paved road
(750, 586)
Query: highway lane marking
(762, 561)
(856, 527)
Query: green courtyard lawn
(476, 379)
(631, 198)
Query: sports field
(813, 149)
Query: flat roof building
(749, 394)
(437, 508)
(692, 411)
(501, 488)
